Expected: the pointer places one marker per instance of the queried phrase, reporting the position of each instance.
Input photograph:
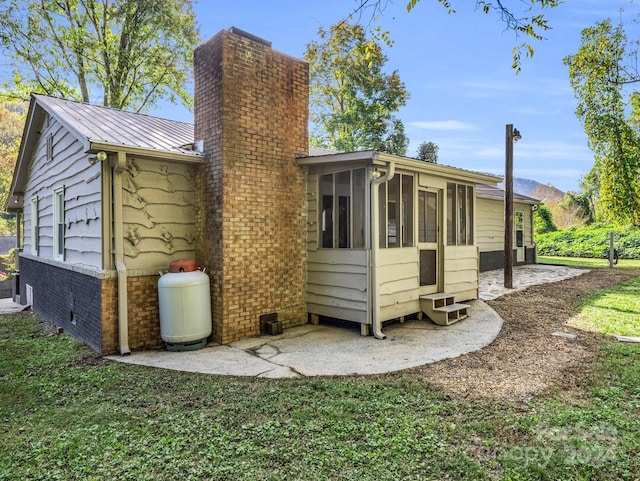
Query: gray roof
(106, 125)
(491, 191)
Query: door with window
(519, 227)
(429, 221)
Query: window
(459, 214)
(33, 231)
(427, 217)
(342, 209)
(58, 223)
(396, 212)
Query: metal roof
(105, 125)
(491, 191)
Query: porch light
(516, 135)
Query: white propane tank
(185, 307)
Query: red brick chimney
(251, 111)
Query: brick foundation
(68, 299)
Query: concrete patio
(332, 351)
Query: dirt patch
(525, 358)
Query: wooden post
(611, 250)
(508, 208)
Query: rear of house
(110, 198)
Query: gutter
(375, 247)
(121, 269)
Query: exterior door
(429, 221)
(519, 227)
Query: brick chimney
(251, 110)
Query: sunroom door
(429, 244)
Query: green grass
(588, 262)
(614, 311)
(67, 414)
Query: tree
(127, 53)
(531, 22)
(428, 151)
(543, 220)
(352, 100)
(11, 124)
(598, 74)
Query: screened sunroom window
(459, 214)
(342, 209)
(396, 212)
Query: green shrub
(590, 242)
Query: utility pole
(512, 135)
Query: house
(490, 227)
(109, 198)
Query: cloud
(442, 125)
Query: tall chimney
(251, 111)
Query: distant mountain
(535, 189)
(547, 194)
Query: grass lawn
(67, 414)
(587, 262)
(615, 311)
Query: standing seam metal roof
(118, 127)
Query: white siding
(337, 284)
(158, 212)
(82, 199)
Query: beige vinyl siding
(337, 284)
(70, 169)
(158, 213)
(397, 276)
(490, 224)
(461, 274)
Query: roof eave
(185, 157)
(15, 200)
(381, 158)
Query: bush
(590, 242)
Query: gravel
(526, 358)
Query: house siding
(158, 213)
(82, 197)
(397, 277)
(461, 273)
(337, 284)
(490, 233)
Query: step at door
(442, 308)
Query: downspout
(121, 269)
(375, 247)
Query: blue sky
(457, 68)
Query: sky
(457, 68)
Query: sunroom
(389, 236)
